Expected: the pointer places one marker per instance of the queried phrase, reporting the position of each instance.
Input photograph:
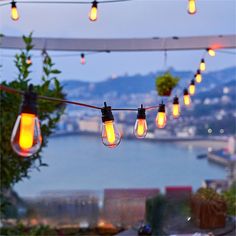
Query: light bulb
(82, 59)
(26, 136)
(110, 134)
(14, 12)
(191, 88)
(140, 127)
(192, 7)
(176, 108)
(161, 116)
(202, 66)
(211, 52)
(28, 60)
(198, 76)
(93, 15)
(187, 99)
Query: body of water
(83, 162)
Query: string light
(82, 59)
(110, 134)
(202, 66)
(14, 12)
(211, 52)
(176, 108)
(140, 127)
(192, 7)
(187, 99)
(161, 116)
(192, 88)
(93, 14)
(198, 76)
(26, 135)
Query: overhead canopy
(131, 44)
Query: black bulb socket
(202, 61)
(13, 4)
(95, 4)
(82, 55)
(107, 113)
(162, 108)
(141, 113)
(186, 92)
(29, 103)
(176, 100)
(192, 82)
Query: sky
(137, 18)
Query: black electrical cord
(65, 2)
(16, 91)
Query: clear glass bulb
(110, 134)
(192, 7)
(26, 136)
(202, 66)
(191, 89)
(176, 110)
(211, 52)
(161, 120)
(198, 78)
(140, 128)
(93, 15)
(14, 12)
(187, 100)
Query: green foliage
(21, 230)
(165, 84)
(155, 213)
(230, 198)
(13, 167)
(208, 194)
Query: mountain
(141, 84)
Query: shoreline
(199, 142)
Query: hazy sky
(137, 18)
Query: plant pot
(166, 94)
(208, 214)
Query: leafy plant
(13, 167)
(165, 84)
(208, 194)
(21, 230)
(156, 213)
(230, 198)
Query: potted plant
(208, 209)
(166, 83)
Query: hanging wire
(16, 91)
(65, 2)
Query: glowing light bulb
(176, 108)
(187, 99)
(93, 15)
(191, 88)
(110, 134)
(202, 66)
(82, 59)
(161, 117)
(26, 136)
(28, 60)
(192, 7)
(198, 76)
(211, 52)
(14, 12)
(140, 127)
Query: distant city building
(89, 125)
